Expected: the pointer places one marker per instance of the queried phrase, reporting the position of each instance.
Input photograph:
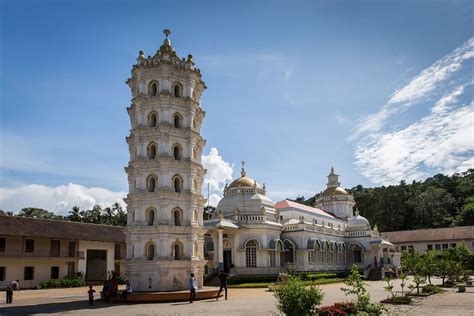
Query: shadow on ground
(76, 306)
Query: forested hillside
(439, 201)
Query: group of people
(12, 286)
(110, 289)
(222, 285)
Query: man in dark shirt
(223, 283)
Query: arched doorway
(227, 255)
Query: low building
(33, 250)
(432, 239)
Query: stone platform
(177, 296)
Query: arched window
(152, 119)
(153, 88)
(251, 254)
(195, 153)
(177, 214)
(150, 251)
(150, 217)
(196, 216)
(177, 120)
(357, 254)
(177, 251)
(289, 253)
(177, 184)
(317, 252)
(177, 152)
(151, 183)
(151, 151)
(195, 185)
(196, 249)
(177, 90)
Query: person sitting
(128, 290)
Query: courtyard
(73, 301)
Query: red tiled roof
(433, 234)
(287, 204)
(45, 228)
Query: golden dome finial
(243, 172)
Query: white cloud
(59, 199)
(387, 150)
(419, 88)
(218, 172)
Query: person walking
(223, 283)
(128, 290)
(192, 287)
(91, 295)
(9, 293)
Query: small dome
(334, 191)
(243, 181)
(358, 220)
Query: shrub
(338, 309)
(430, 288)
(317, 276)
(294, 298)
(356, 286)
(61, 283)
(398, 300)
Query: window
(251, 254)
(150, 217)
(195, 155)
(3, 243)
(177, 120)
(151, 183)
(177, 251)
(438, 247)
(177, 151)
(429, 247)
(272, 259)
(29, 273)
(289, 254)
(311, 256)
(178, 90)
(177, 217)
(445, 246)
(403, 248)
(151, 151)
(196, 250)
(196, 216)
(3, 271)
(152, 119)
(177, 184)
(117, 252)
(29, 245)
(72, 249)
(356, 254)
(55, 248)
(452, 245)
(150, 252)
(195, 185)
(54, 273)
(153, 89)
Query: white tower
(164, 228)
(335, 199)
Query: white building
(251, 235)
(165, 175)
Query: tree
(34, 212)
(294, 298)
(466, 216)
(208, 212)
(432, 208)
(75, 215)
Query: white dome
(358, 221)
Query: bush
(430, 288)
(250, 279)
(338, 309)
(294, 298)
(317, 276)
(121, 279)
(61, 283)
(398, 300)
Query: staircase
(375, 275)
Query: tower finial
(332, 169)
(243, 172)
(167, 32)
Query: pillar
(220, 249)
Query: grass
(257, 285)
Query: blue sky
(293, 88)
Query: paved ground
(241, 302)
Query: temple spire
(243, 173)
(333, 179)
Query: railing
(42, 253)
